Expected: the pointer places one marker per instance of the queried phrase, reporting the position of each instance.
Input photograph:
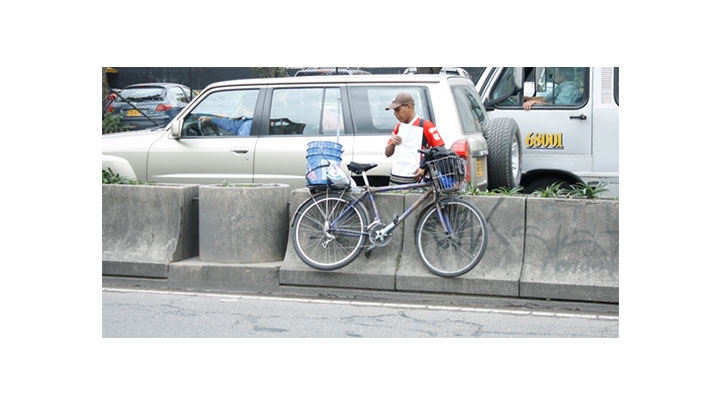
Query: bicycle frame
(334, 226)
(370, 192)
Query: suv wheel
(504, 153)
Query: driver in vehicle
(566, 91)
(239, 126)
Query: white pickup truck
(568, 118)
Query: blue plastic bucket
(447, 180)
(318, 159)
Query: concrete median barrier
(571, 250)
(498, 271)
(147, 227)
(243, 223)
(537, 248)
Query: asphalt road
(143, 313)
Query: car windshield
(142, 93)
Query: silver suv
(257, 130)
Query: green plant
(554, 190)
(111, 124)
(498, 191)
(270, 71)
(110, 177)
(508, 191)
(586, 190)
(475, 191)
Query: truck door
(553, 111)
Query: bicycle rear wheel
(328, 232)
(457, 253)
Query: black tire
(504, 153)
(329, 249)
(451, 256)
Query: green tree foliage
(270, 71)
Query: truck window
(561, 86)
(506, 85)
(556, 87)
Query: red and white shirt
(407, 158)
(432, 136)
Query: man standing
(411, 134)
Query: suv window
(471, 114)
(368, 106)
(308, 111)
(231, 110)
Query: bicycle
(332, 227)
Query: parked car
(150, 105)
(330, 71)
(285, 114)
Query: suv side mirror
(176, 128)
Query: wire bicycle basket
(448, 173)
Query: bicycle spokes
(451, 240)
(329, 232)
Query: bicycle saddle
(358, 168)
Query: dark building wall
(193, 77)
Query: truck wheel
(504, 153)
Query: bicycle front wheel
(328, 231)
(459, 251)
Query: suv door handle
(240, 150)
(578, 117)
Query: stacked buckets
(320, 155)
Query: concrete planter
(571, 250)
(243, 223)
(498, 271)
(147, 227)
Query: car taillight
(462, 148)
(163, 107)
